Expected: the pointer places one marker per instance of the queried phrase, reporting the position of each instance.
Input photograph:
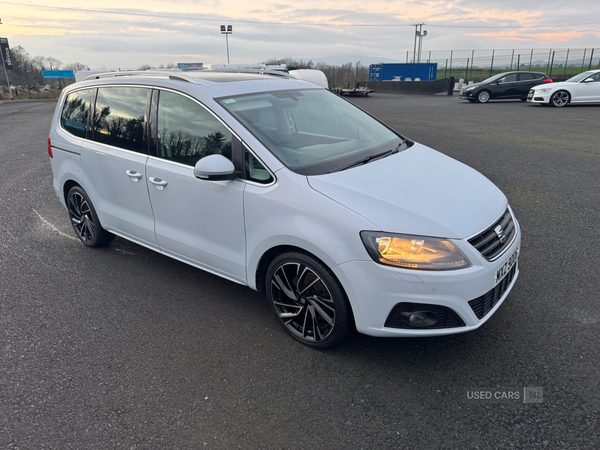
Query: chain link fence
(470, 64)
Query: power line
(305, 24)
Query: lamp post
(420, 34)
(5, 72)
(227, 30)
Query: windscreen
(579, 77)
(311, 131)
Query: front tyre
(85, 220)
(483, 96)
(560, 98)
(308, 301)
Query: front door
(197, 221)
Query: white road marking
(45, 222)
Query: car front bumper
(539, 97)
(374, 290)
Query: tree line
(28, 70)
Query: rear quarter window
(75, 113)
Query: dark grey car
(504, 86)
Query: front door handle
(135, 176)
(160, 184)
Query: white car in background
(582, 88)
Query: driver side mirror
(215, 168)
(589, 80)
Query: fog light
(420, 318)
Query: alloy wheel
(81, 217)
(303, 302)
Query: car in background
(582, 88)
(505, 85)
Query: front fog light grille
(481, 306)
(496, 238)
(420, 316)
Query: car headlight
(469, 88)
(543, 90)
(413, 252)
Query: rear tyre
(483, 96)
(560, 99)
(308, 301)
(85, 220)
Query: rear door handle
(135, 176)
(160, 184)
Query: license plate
(505, 268)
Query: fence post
(591, 58)
(518, 62)
(530, 59)
(467, 70)
(551, 64)
(472, 58)
(566, 61)
(492, 65)
(548, 65)
(446, 68)
(451, 51)
(583, 59)
(512, 58)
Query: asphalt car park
(123, 347)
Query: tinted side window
(74, 117)
(119, 117)
(526, 76)
(187, 132)
(508, 78)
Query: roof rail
(148, 73)
(261, 71)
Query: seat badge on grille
(500, 233)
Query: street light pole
(226, 31)
(6, 73)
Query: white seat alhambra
(279, 184)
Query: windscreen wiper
(370, 158)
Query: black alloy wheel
(84, 219)
(483, 96)
(560, 98)
(308, 301)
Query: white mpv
(281, 185)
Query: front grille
(481, 306)
(496, 238)
(447, 318)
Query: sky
(130, 33)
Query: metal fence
(484, 63)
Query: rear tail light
(50, 149)
(548, 80)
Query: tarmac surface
(122, 347)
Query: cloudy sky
(129, 33)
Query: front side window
(312, 131)
(508, 78)
(74, 117)
(187, 132)
(119, 117)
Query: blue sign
(58, 74)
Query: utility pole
(420, 34)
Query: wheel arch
(67, 186)
(272, 253)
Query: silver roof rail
(147, 73)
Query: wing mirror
(215, 168)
